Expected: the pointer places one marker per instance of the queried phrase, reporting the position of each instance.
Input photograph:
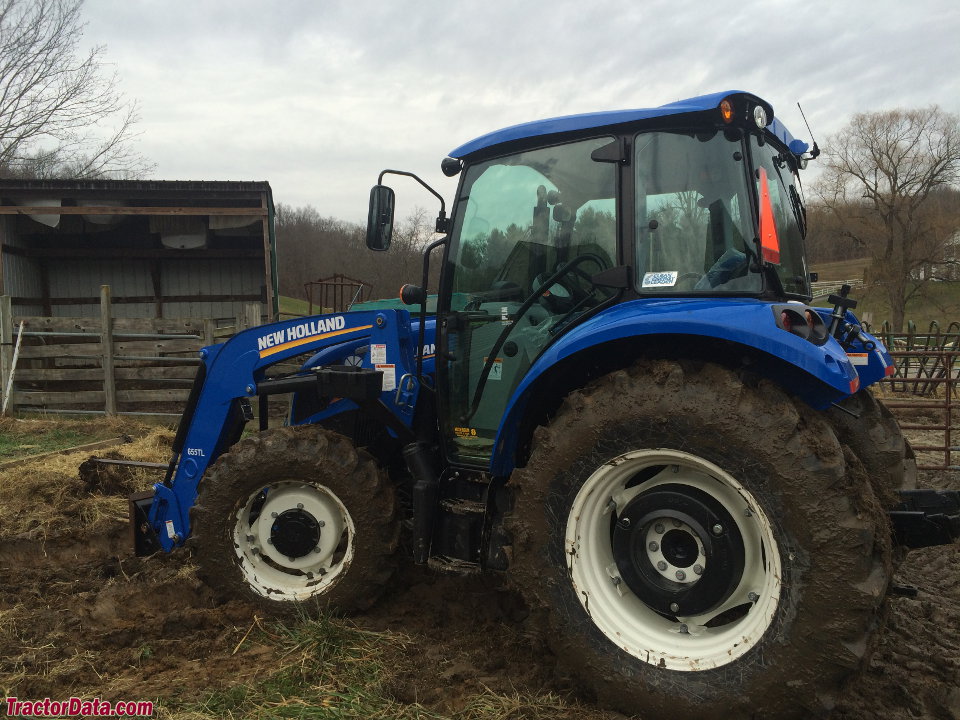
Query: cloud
(317, 98)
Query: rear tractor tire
(697, 546)
(296, 516)
(874, 436)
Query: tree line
(312, 247)
(889, 193)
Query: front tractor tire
(296, 516)
(698, 546)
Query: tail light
(802, 322)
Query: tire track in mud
(915, 672)
(84, 617)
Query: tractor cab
(556, 220)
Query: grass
(331, 669)
(295, 306)
(22, 438)
(841, 269)
(327, 668)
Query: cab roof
(586, 121)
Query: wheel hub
(295, 533)
(678, 549)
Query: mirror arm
(442, 217)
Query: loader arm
(234, 372)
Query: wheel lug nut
(681, 575)
(677, 523)
(616, 580)
(683, 629)
(254, 551)
(654, 546)
(625, 522)
(269, 541)
(320, 523)
(299, 506)
(274, 515)
(659, 529)
(698, 569)
(661, 565)
(752, 597)
(250, 538)
(674, 608)
(717, 529)
(317, 549)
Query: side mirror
(380, 217)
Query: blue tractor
(622, 399)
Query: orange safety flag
(769, 241)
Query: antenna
(816, 148)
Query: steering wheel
(694, 277)
(537, 293)
(563, 294)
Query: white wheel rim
(685, 643)
(274, 575)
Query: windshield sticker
(660, 279)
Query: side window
(691, 231)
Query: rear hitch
(926, 517)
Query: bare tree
(886, 176)
(61, 112)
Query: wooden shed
(184, 249)
(109, 288)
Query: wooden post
(6, 342)
(209, 331)
(251, 313)
(106, 345)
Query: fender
(872, 363)
(744, 321)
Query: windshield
(694, 227)
(530, 232)
(787, 215)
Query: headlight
(760, 116)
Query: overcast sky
(317, 97)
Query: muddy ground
(80, 616)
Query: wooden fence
(116, 366)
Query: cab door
(530, 231)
